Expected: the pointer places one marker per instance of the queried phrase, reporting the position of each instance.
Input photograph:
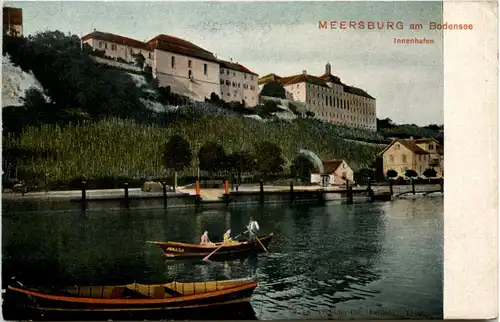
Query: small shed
(336, 172)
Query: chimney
(304, 72)
(231, 60)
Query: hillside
(71, 117)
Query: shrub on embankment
(124, 148)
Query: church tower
(328, 69)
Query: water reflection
(322, 260)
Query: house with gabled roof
(335, 172)
(410, 154)
(329, 99)
(238, 83)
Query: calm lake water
(366, 260)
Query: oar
(258, 240)
(240, 234)
(206, 257)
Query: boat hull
(57, 306)
(174, 250)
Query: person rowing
(253, 228)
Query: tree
(391, 174)
(411, 173)
(214, 97)
(362, 175)
(270, 107)
(302, 168)
(241, 162)
(269, 158)
(310, 114)
(176, 155)
(139, 60)
(430, 173)
(273, 89)
(212, 157)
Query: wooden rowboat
(138, 297)
(177, 250)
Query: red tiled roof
(237, 67)
(180, 46)
(320, 81)
(268, 78)
(12, 16)
(409, 144)
(117, 39)
(330, 166)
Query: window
(391, 158)
(113, 47)
(222, 71)
(189, 64)
(222, 82)
(205, 69)
(149, 55)
(245, 86)
(234, 74)
(131, 51)
(404, 158)
(105, 45)
(228, 83)
(234, 84)
(252, 87)
(101, 44)
(251, 77)
(190, 74)
(172, 62)
(227, 72)
(245, 76)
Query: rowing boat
(177, 250)
(135, 297)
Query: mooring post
(349, 195)
(164, 185)
(126, 195)
(390, 187)
(412, 185)
(292, 195)
(197, 200)
(261, 183)
(84, 195)
(226, 188)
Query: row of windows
(338, 103)
(190, 65)
(227, 71)
(346, 117)
(337, 90)
(236, 84)
(114, 47)
(420, 157)
(234, 95)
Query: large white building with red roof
(188, 69)
(329, 98)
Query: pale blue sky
(284, 38)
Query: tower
(328, 69)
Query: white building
(330, 99)
(118, 47)
(238, 84)
(189, 70)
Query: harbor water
(364, 260)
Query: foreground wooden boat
(135, 297)
(179, 250)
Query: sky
(284, 38)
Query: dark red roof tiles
(235, 66)
(180, 46)
(117, 39)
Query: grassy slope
(123, 148)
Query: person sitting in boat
(227, 238)
(205, 240)
(253, 228)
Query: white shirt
(253, 226)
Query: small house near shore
(336, 172)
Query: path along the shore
(206, 194)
